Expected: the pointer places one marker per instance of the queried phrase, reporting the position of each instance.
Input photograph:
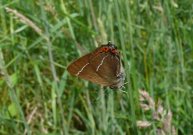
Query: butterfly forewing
(83, 69)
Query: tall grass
(38, 39)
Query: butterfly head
(109, 48)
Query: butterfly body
(102, 66)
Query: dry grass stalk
(143, 124)
(159, 115)
(26, 21)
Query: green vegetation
(38, 39)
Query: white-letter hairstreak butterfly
(102, 66)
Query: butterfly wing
(108, 66)
(83, 69)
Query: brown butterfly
(102, 66)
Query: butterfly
(102, 66)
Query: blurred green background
(39, 38)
